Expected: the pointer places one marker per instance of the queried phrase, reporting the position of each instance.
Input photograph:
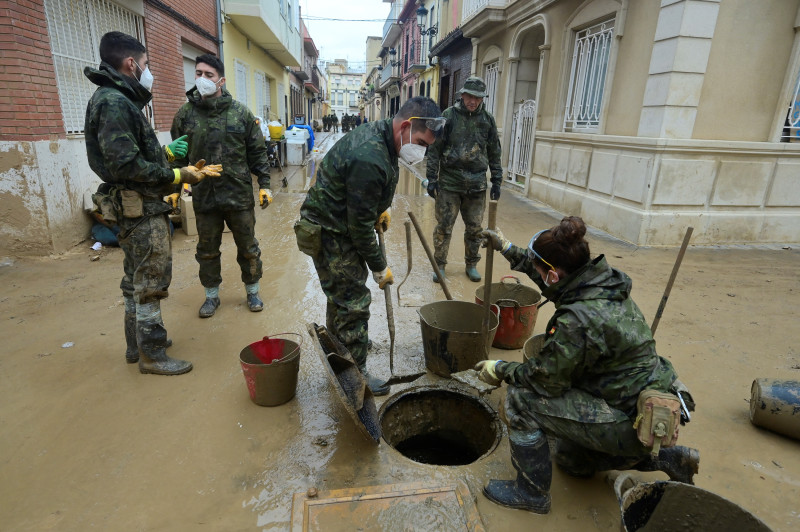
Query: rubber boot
(472, 273)
(531, 489)
(377, 386)
(436, 275)
(679, 462)
(152, 338)
(132, 349)
(209, 307)
(254, 302)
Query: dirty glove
(433, 188)
(197, 172)
(486, 372)
(383, 278)
(499, 242)
(177, 148)
(172, 199)
(494, 194)
(383, 220)
(264, 197)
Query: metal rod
(487, 287)
(671, 281)
(429, 253)
(408, 253)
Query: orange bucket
(518, 311)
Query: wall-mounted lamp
(392, 51)
(422, 13)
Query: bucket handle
(510, 277)
(619, 482)
(508, 302)
(299, 341)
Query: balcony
(479, 16)
(263, 23)
(388, 75)
(392, 28)
(313, 83)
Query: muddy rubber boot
(254, 303)
(436, 275)
(152, 338)
(209, 307)
(132, 349)
(377, 386)
(472, 273)
(679, 462)
(531, 489)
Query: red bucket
(518, 311)
(270, 368)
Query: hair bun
(571, 229)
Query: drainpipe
(219, 29)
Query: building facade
(344, 85)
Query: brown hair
(563, 246)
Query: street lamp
(422, 13)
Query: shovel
(387, 292)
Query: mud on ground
(87, 443)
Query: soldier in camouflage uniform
(581, 388)
(123, 150)
(456, 174)
(355, 185)
(226, 131)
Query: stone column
(677, 67)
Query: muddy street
(88, 443)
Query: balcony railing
(472, 7)
(394, 14)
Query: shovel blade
(400, 379)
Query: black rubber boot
(209, 307)
(132, 350)
(152, 338)
(531, 490)
(254, 303)
(679, 462)
(377, 386)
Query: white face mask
(205, 86)
(146, 80)
(412, 153)
(547, 277)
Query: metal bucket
(532, 347)
(674, 506)
(518, 311)
(270, 368)
(451, 335)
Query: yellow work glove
(383, 278)
(486, 372)
(197, 172)
(383, 220)
(264, 197)
(172, 199)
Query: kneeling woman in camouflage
(582, 388)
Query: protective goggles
(533, 251)
(434, 124)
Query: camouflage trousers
(209, 231)
(147, 262)
(343, 276)
(448, 205)
(585, 442)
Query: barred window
(490, 75)
(587, 77)
(240, 79)
(791, 128)
(75, 28)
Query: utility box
(188, 221)
(295, 152)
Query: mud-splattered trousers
(209, 229)
(590, 435)
(471, 206)
(343, 275)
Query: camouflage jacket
(223, 131)
(355, 183)
(597, 340)
(468, 146)
(121, 145)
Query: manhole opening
(439, 427)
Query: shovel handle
(387, 292)
(429, 253)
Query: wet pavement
(87, 443)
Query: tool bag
(657, 420)
(309, 237)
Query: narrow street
(88, 443)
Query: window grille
(75, 28)
(587, 77)
(490, 76)
(240, 79)
(262, 96)
(791, 128)
(282, 4)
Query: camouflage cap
(474, 86)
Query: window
(340, 98)
(352, 99)
(282, 4)
(262, 96)
(75, 29)
(490, 75)
(791, 128)
(240, 80)
(587, 77)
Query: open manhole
(438, 426)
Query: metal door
(523, 132)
